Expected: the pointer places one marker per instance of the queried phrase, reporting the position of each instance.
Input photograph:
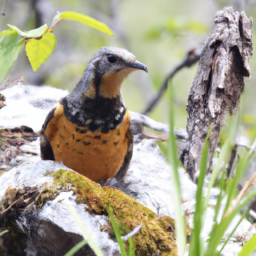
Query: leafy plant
(39, 43)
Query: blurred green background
(159, 33)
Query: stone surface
(147, 181)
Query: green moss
(154, 236)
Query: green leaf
(249, 247)
(39, 50)
(13, 28)
(84, 19)
(31, 33)
(11, 44)
(37, 32)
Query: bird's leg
(105, 183)
(162, 137)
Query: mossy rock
(128, 213)
(155, 236)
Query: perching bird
(89, 129)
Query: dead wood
(218, 83)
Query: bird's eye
(112, 58)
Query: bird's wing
(127, 159)
(45, 146)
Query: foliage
(234, 204)
(39, 43)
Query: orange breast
(96, 155)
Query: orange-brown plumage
(81, 152)
(89, 129)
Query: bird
(89, 129)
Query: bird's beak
(138, 65)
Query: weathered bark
(218, 83)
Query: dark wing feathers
(45, 146)
(127, 159)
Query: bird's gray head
(107, 69)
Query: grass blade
(249, 247)
(196, 247)
(223, 225)
(180, 227)
(225, 152)
(234, 229)
(131, 246)
(233, 188)
(84, 230)
(223, 155)
(116, 231)
(76, 248)
(3, 232)
(219, 198)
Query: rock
(35, 195)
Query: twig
(191, 58)
(231, 160)
(133, 233)
(241, 194)
(138, 121)
(2, 12)
(11, 205)
(6, 83)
